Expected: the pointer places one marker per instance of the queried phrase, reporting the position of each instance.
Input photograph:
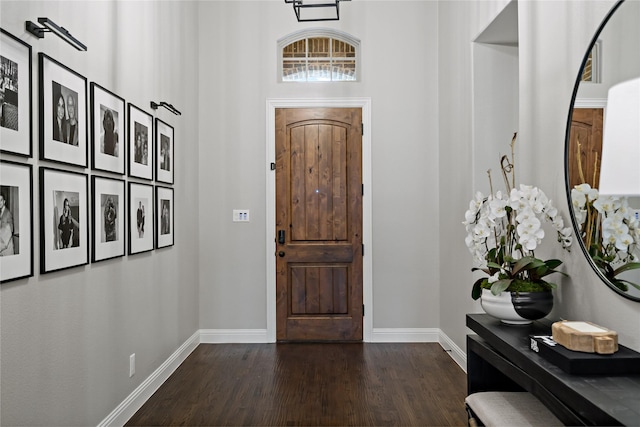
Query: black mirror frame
(576, 226)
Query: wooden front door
(319, 224)
(585, 146)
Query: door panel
(319, 289)
(318, 188)
(319, 208)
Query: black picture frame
(165, 152)
(16, 221)
(141, 218)
(140, 143)
(108, 213)
(165, 218)
(108, 130)
(16, 118)
(64, 91)
(64, 219)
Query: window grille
(318, 56)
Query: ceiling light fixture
(52, 27)
(316, 10)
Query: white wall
(238, 74)
(66, 337)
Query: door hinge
(362, 128)
(363, 249)
(273, 166)
(362, 310)
(363, 189)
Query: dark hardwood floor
(311, 385)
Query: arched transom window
(319, 55)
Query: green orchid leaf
(500, 285)
(620, 284)
(542, 272)
(634, 285)
(626, 283)
(526, 263)
(484, 270)
(476, 291)
(539, 269)
(628, 266)
(553, 263)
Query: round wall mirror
(605, 220)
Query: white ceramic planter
(501, 307)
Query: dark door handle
(281, 254)
(281, 237)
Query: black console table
(499, 358)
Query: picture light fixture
(52, 27)
(174, 110)
(316, 10)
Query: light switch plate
(241, 215)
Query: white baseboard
(381, 335)
(233, 336)
(394, 335)
(125, 410)
(456, 353)
(133, 402)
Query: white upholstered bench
(501, 408)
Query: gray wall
(553, 37)
(459, 24)
(66, 337)
(556, 36)
(238, 73)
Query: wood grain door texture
(319, 276)
(585, 145)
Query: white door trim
(367, 265)
(590, 103)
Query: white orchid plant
(505, 228)
(610, 231)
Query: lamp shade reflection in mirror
(602, 151)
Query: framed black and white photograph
(108, 213)
(63, 113)
(164, 217)
(140, 143)
(16, 221)
(107, 130)
(64, 219)
(16, 134)
(164, 152)
(140, 218)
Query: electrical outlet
(241, 215)
(132, 365)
